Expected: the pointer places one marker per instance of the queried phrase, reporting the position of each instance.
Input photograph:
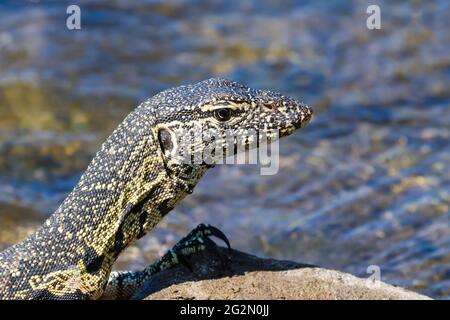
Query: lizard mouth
(305, 117)
(299, 116)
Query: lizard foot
(124, 284)
(196, 241)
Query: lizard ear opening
(166, 141)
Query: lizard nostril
(268, 106)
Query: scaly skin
(130, 185)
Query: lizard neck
(123, 194)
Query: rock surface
(248, 277)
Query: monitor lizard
(134, 180)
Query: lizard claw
(197, 240)
(218, 234)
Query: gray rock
(248, 277)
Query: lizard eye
(223, 114)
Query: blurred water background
(366, 183)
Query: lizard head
(219, 114)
